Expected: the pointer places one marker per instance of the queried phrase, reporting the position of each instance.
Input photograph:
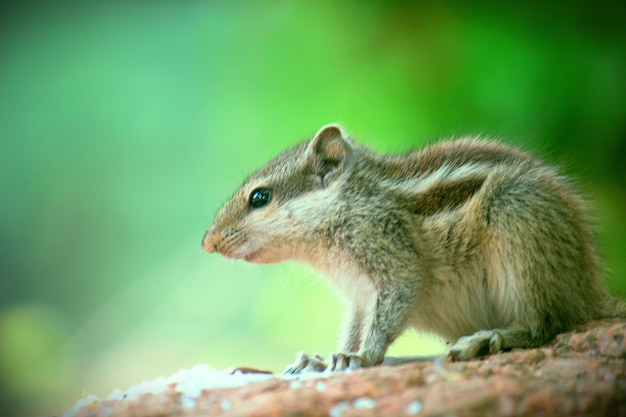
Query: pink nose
(210, 239)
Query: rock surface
(582, 373)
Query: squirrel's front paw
(343, 361)
(475, 345)
(306, 363)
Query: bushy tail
(614, 307)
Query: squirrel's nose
(209, 240)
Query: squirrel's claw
(344, 361)
(306, 363)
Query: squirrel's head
(273, 216)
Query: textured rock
(580, 374)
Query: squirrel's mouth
(250, 257)
(260, 257)
(232, 244)
(253, 257)
(232, 253)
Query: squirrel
(470, 239)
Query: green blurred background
(125, 126)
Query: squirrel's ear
(328, 153)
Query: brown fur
(445, 197)
(472, 240)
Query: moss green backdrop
(124, 127)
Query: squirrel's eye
(260, 197)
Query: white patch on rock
(189, 382)
(364, 403)
(226, 405)
(339, 408)
(414, 408)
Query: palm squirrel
(472, 240)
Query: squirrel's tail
(614, 307)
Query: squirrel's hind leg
(402, 360)
(486, 342)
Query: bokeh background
(124, 126)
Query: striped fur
(472, 240)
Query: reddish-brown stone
(581, 373)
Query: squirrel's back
(497, 233)
(461, 236)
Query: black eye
(260, 197)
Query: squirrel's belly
(454, 311)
